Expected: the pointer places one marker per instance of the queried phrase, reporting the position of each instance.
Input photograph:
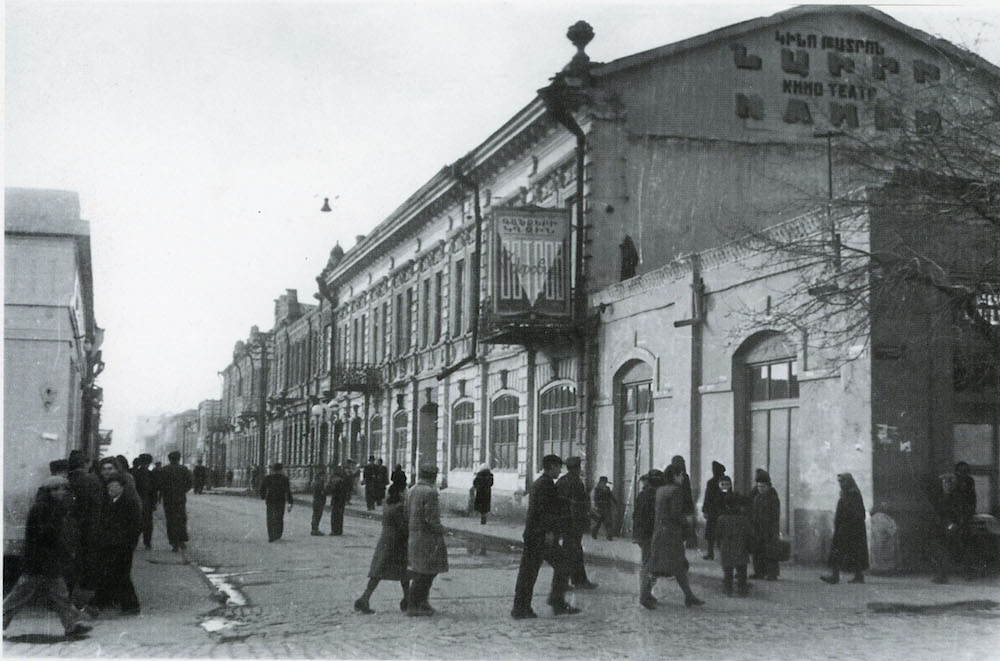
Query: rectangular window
(400, 323)
(458, 297)
(385, 333)
(376, 355)
(438, 284)
(362, 338)
(354, 341)
(425, 313)
(408, 320)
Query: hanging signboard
(531, 262)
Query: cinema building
(576, 285)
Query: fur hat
(428, 471)
(762, 476)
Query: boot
(742, 589)
(727, 583)
(361, 605)
(858, 578)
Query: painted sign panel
(531, 263)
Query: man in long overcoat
(339, 488)
(174, 481)
(542, 528)
(147, 494)
(276, 491)
(319, 500)
(427, 555)
(88, 498)
(765, 518)
(643, 524)
(369, 476)
(576, 512)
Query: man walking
(200, 477)
(339, 489)
(147, 495)
(319, 500)
(576, 513)
(45, 557)
(88, 498)
(369, 477)
(541, 530)
(174, 481)
(276, 491)
(687, 498)
(427, 555)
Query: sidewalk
(174, 596)
(622, 554)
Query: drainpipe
(556, 97)
(476, 271)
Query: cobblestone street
(299, 594)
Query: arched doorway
(765, 384)
(633, 432)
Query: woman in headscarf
(669, 533)
(849, 550)
(389, 560)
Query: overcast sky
(202, 138)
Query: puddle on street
(220, 582)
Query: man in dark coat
(542, 528)
(711, 507)
(765, 519)
(120, 526)
(173, 483)
(319, 500)
(687, 499)
(88, 498)
(369, 477)
(643, 522)
(382, 475)
(147, 494)
(276, 491)
(339, 488)
(45, 558)
(576, 513)
(200, 477)
(955, 514)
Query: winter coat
(45, 550)
(603, 497)
(574, 502)
(711, 507)
(849, 549)
(121, 522)
(644, 516)
(765, 517)
(426, 550)
(88, 496)
(734, 533)
(276, 489)
(483, 485)
(173, 482)
(389, 560)
(669, 532)
(144, 486)
(339, 486)
(544, 515)
(687, 500)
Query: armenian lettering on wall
(831, 75)
(531, 265)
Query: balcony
(528, 328)
(356, 377)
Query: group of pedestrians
(82, 531)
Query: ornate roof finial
(580, 34)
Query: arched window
(400, 423)
(503, 433)
(556, 422)
(462, 425)
(375, 436)
(629, 259)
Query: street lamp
(834, 236)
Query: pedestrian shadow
(42, 638)
(932, 609)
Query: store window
(557, 411)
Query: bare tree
(915, 217)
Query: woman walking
(389, 560)
(483, 486)
(670, 532)
(849, 551)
